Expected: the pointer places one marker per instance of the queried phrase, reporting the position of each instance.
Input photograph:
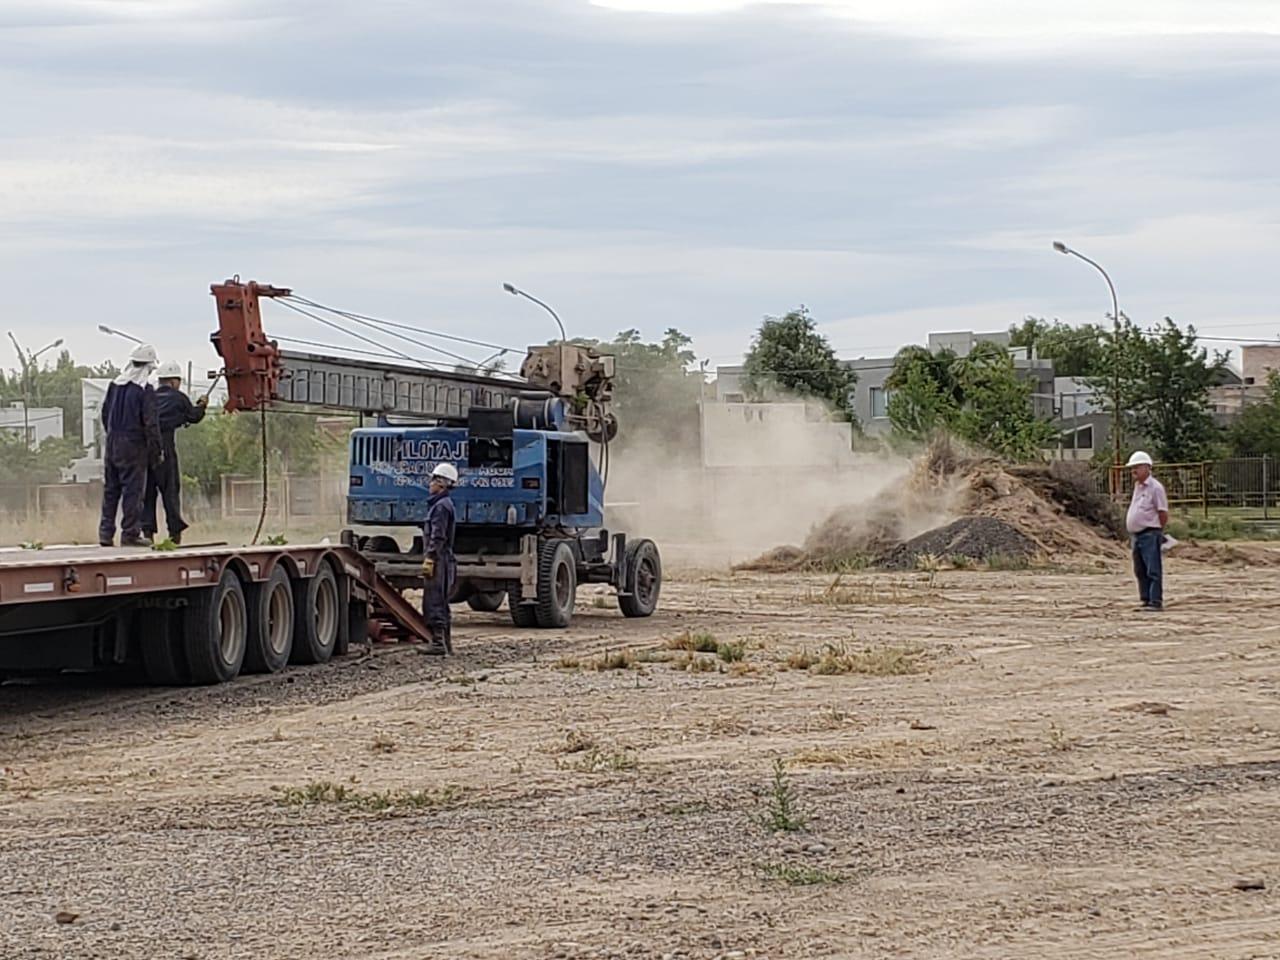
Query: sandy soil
(1065, 777)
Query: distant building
(37, 423)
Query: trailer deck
(198, 614)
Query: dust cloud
(766, 474)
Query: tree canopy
(789, 356)
(1075, 351)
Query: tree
(1161, 380)
(1075, 351)
(978, 397)
(20, 464)
(1256, 432)
(56, 385)
(788, 355)
(231, 443)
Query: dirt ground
(1062, 776)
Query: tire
(557, 585)
(382, 544)
(160, 644)
(523, 615)
(216, 631)
(488, 601)
(317, 617)
(462, 591)
(271, 623)
(642, 574)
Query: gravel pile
(977, 538)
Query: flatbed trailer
(195, 615)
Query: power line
(351, 315)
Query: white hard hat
(144, 353)
(169, 370)
(1139, 456)
(446, 472)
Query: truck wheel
(216, 631)
(523, 615)
(160, 643)
(316, 618)
(270, 623)
(487, 601)
(638, 596)
(557, 584)
(382, 544)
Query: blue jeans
(1148, 566)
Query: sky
(899, 167)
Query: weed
(688, 808)
(731, 652)
(575, 742)
(652, 656)
(783, 814)
(692, 663)
(327, 793)
(800, 660)
(1005, 561)
(798, 875)
(820, 758)
(929, 563)
(1058, 738)
(275, 540)
(32, 545)
(595, 760)
(568, 663)
(613, 660)
(743, 668)
(383, 743)
(872, 661)
(602, 601)
(959, 561)
(164, 546)
(693, 641)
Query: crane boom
(259, 374)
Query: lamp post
(28, 361)
(1115, 360)
(517, 292)
(113, 332)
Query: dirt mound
(1227, 554)
(974, 538)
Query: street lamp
(112, 332)
(517, 292)
(28, 361)
(1115, 360)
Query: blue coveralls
(437, 537)
(133, 446)
(173, 410)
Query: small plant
(798, 875)
(800, 660)
(327, 793)
(602, 602)
(688, 808)
(568, 663)
(1006, 561)
(782, 814)
(614, 660)
(873, 661)
(32, 545)
(694, 641)
(929, 563)
(384, 743)
(275, 540)
(959, 561)
(653, 656)
(575, 742)
(731, 652)
(692, 663)
(595, 760)
(1058, 739)
(164, 546)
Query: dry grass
(693, 641)
(384, 743)
(884, 661)
(692, 663)
(613, 660)
(327, 793)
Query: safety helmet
(446, 472)
(1139, 457)
(144, 353)
(169, 370)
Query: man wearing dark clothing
(439, 569)
(133, 447)
(173, 410)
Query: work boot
(138, 541)
(176, 538)
(434, 648)
(106, 543)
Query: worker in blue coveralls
(133, 448)
(173, 410)
(439, 570)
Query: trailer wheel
(317, 617)
(216, 631)
(557, 584)
(486, 601)
(270, 623)
(642, 575)
(160, 643)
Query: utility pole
(517, 292)
(1115, 360)
(28, 360)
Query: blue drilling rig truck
(532, 453)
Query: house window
(880, 403)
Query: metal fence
(1246, 486)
